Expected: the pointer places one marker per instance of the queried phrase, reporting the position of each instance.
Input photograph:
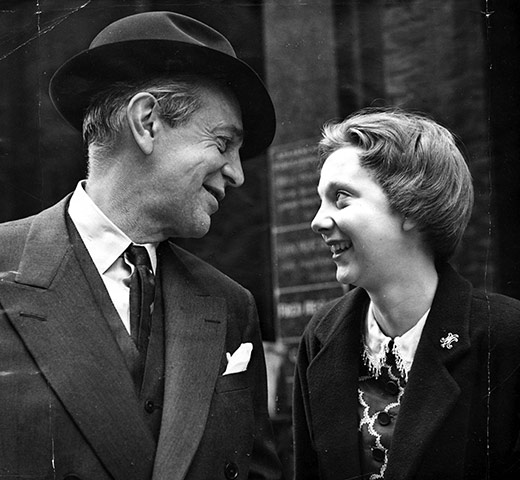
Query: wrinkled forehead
(218, 90)
(221, 98)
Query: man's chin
(197, 228)
(201, 229)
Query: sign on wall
(303, 272)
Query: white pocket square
(239, 360)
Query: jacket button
(231, 470)
(149, 406)
(378, 454)
(384, 419)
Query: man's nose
(233, 172)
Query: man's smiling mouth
(218, 194)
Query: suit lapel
(432, 391)
(51, 307)
(195, 327)
(333, 378)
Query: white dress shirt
(376, 345)
(106, 244)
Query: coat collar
(331, 375)
(431, 392)
(46, 247)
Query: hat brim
(78, 80)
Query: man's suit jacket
(460, 413)
(68, 407)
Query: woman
(413, 374)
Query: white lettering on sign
(298, 309)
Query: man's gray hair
(178, 98)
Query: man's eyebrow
(235, 131)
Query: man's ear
(409, 224)
(142, 117)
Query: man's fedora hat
(156, 44)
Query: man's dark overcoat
(68, 406)
(460, 413)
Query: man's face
(367, 240)
(192, 165)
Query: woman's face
(369, 242)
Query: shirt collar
(104, 240)
(376, 344)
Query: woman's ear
(141, 114)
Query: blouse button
(378, 454)
(384, 418)
(392, 388)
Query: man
(121, 355)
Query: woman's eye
(342, 199)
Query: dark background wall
(503, 80)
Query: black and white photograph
(259, 239)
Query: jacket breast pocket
(232, 382)
(233, 395)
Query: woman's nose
(322, 223)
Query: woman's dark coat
(460, 414)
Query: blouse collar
(376, 345)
